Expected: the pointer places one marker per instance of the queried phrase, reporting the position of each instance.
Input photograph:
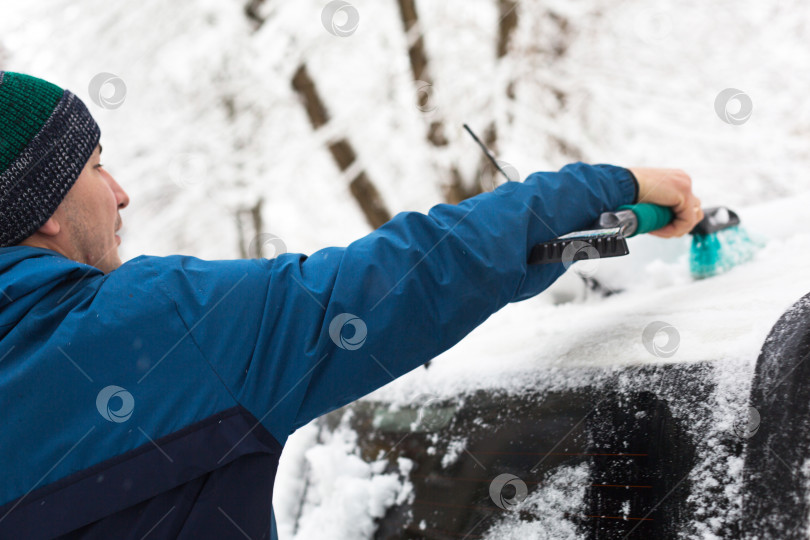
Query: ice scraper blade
(606, 239)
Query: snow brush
(718, 242)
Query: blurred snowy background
(228, 120)
(214, 143)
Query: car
(626, 401)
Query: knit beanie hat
(46, 137)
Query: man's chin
(109, 263)
(114, 265)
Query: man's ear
(50, 227)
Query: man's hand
(673, 188)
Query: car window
(593, 463)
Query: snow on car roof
(722, 319)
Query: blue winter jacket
(154, 401)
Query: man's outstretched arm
(422, 282)
(297, 336)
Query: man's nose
(123, 199)
(120, 195)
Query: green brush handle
(650, 217)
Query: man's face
(89, 216)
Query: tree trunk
(361, 187)
(488, 176)
(454, 190)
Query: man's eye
(99, 165)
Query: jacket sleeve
(295, 336)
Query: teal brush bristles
(717, 252)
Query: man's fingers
(686, 216)
(671, 188)
(690, 215)
(682, 226)
(663, 232)
(676, 228)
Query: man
(153, 398)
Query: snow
(210, 124)
(341, 495)
(291, 484)
(550, 505)
(805, 472)
(453, 451)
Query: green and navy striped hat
(46, 137)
